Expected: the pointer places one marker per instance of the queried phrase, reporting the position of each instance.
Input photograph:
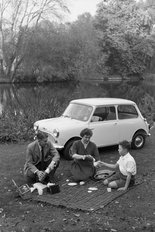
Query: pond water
(50, 100)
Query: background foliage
(118, 40)
(23, 105)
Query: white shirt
(127, 164)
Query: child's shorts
(120, 179)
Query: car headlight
(35, 127)
(56, 133)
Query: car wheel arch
(67, 146)
(142, 133)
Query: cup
(109, 190)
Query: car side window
(104, 114)
(127, 112)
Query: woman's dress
(83, 169)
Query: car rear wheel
(138, 140)
(66, 151)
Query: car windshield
(78, 112)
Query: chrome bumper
(57, 146)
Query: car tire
(138, 140)
(66, 150)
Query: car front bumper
(57, 146)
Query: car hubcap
(139, 141)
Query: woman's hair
(125, 144)
(87, 132)
(41, 135)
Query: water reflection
(43, 101)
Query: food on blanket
(50, 184)
(39, 186)
(32, 189)
(72, 184)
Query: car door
(128, 121)
(104, 125)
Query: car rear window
(127, 112)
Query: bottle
(47, 170)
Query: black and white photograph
(77, 115)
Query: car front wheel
(138, 140)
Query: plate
(82, 183)
(92, 188)
(72, 184)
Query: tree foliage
(85, 37)
(124, 32)
(63, 51)
(33, 47)
(148, 5)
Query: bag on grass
(103, 174)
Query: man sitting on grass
(42, 160)
(125, 169)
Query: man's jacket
(33, 155)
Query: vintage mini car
(111, 120)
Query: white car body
(123, 121)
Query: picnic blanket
(90, 196)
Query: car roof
(102, 101)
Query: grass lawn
(134, 211)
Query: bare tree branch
(16, 16)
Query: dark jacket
(33, 155)
(83, 169)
